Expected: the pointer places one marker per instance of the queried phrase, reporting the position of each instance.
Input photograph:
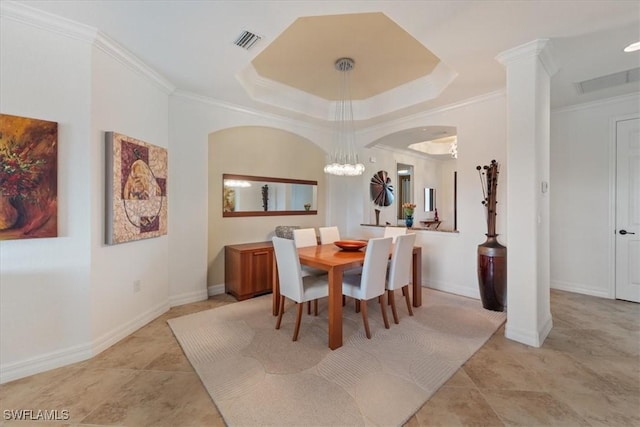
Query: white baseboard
(579, 289)
(452, 289)
(78, 353)
(522, 336)
(110, 338)
(546, 328)
(532, 338)
(188, 297)
(44, 362)
(216, 289)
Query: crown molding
(598, 103)
(55, 24)
(403, 121)
(409, 94)
(47, 21)
(247, 111)
(301, 123)
(125, 57)
(540, 48)
(276, 94)
(399, 150)
(546, 57)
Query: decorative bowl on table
(350, 245)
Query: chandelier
(344, 159)
(453, 150)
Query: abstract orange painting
(136, 189)
(28, 178)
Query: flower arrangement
(408, 208)
(19, 170)
(307, 206)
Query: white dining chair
(371, 284)
(293, 285)
(394, 232)
(400, 272)
(329, 234)
(332, 234)
(305, 237)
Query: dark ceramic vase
(409, 221)
(492, 274)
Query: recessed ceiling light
(632, 47)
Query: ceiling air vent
(604, 82)
(247, 39)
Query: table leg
(417, 277)
(335, 308)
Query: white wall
(45, 283)
(64, 299)
(426, 173)
(582, 199)
(127, 102)
(449, 259)
(258, 151)
(192, 120)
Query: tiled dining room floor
(587, 373)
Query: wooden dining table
(335, 261)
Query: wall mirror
(405, 187)
(245, 195)
(429, 199)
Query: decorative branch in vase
(492, 256)
(489, 182)
(265, 197)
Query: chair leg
(280, 312)
(405, 291)
(298, 319)
(363, 307)
(392, 302)
(357, 306)
(383, 307)
(308, 307)
(315, 307)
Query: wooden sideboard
(249, 269)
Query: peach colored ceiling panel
(385, 55)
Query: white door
(628, 210)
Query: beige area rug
(257, 376)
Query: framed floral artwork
(136, 189)
(28, 178)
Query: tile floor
(587, 373)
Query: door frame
(613, 172)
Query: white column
(529, 69)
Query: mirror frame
(266, 179)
